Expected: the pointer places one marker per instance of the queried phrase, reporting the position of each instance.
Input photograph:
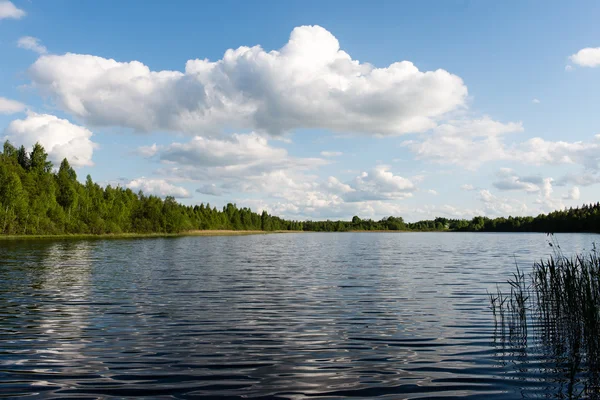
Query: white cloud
(9, 10)
(333, 185)
(331, 153)
(210, 189)
(60, 138)
(148, 151)
(433, 192)
(543, 187)
(380, 184)
(473, 128)
(241, 163)
(497, 206)
(8, 106)
(584, 178)
(247, 163)
(538, 151)
(32, 43)
(327, 209)
(370, 193)
(468, 143)
(239, 149)
(535, 101)
(511, 181)
(308, 83)
(588, 57)
(573, 194)
(545, 200)
(547, 187)
(467, 187)
(158, 187)
(238, 158)
(428, 211)
(297, 195)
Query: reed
(560, 301)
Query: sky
(311, 109)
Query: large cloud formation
(60, 138)
(308, 83)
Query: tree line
(36, 199)
(580, 219)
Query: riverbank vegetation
(551, 319)
(37, 199)
(580, 219)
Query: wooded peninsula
(36, 199)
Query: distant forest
(37, 200)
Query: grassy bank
(142, 235)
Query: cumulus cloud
(148, 151)
(468, 143)
(370, 193)
(248, 163)
(236, 158)
(334, 185)
(239, 149)
(588, 57)
(547, 187)
(8, 106)
(584, 178)
(433, 192)
(210, 189)
(538, 151)
(241, 163)
(60, 138)
(309, 83)
(331, 153)
(467, 187)
(158, 187)
(498, 206)
(379, 184)
(33, 44)
(573, 194)
(9, 10)
(429, 211)
(327, 209)
(511, 181)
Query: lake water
(335, 315)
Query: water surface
(390, 315)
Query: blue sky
(314, 109)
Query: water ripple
(270, 316)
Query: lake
(335, 315)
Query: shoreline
(216, 232)
(221, 232)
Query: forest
(38, 199)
